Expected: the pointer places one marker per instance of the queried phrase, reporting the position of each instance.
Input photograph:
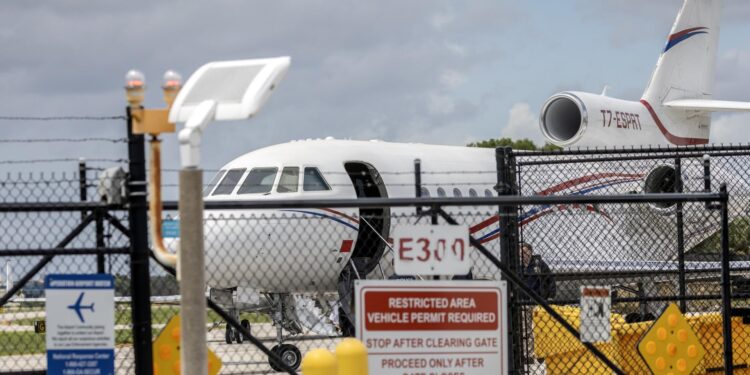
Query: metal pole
(99, 240)
(139, 256)
(707, 178)
(726, 297)
(82, 183)
(504, 187)
(191, 265)
(680, 238)
(418, 182)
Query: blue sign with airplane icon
(80, 324)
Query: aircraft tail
(686, 67)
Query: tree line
(519, 144)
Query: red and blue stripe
(336, 216)
(584, 186)
(678, 37)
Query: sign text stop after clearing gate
(433, 327)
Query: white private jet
(299, 258)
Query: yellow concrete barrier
(319, 362)
(564, 354)
(352, 357)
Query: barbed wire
(60, 160)
(69, 140)
(61, 118)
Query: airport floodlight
(224, 90)
(238, 88)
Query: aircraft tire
(246, 324)
(272, 363)
(238, 336)
(290, 355)
(228, 334)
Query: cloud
(731, 128)
(733, 75)
(390, 69)
(522, 123)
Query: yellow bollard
(352, 357)
(319, 362)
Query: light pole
(140, 122)
(227, 90)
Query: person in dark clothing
(537, 274)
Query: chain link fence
(281, 271)
(649, 254)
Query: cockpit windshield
(227, 184)
(259, 180)
(314, 180)
(289, 180)
(207, 189)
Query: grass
(28, 342)
(159, 315)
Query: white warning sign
(596, 305)
(433, 327)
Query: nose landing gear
(289, 354)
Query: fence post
(418, 182)
(680, 237)
(509, 252)
(139, 254)
(82, 184)
(99, 219)
(726, 298)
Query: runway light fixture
(171, 80)
(171, 83)
(135, 84)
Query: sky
(442, 72)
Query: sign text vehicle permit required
(431, 250)
(80, 324)
(433, 327)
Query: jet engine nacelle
(662, 179)
(588, 119)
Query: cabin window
(314, 181)
(441, 192)
(425, 192)
(259, 180)
(457, 192)
(230, 180)
(289, 180)
(488, 193)
(472, 193)
(215, 180)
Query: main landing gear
(232, 335)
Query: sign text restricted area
(433, 327)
